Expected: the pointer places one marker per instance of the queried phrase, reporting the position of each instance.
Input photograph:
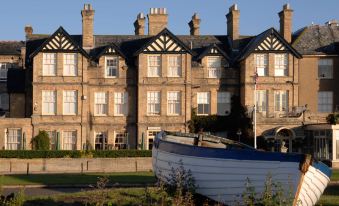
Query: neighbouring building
(118, 91)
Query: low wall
(74, 165)
(335, 164)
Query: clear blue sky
(117, 16)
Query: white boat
(221, 168)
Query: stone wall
(75, 165)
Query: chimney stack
(233, 25)
(194, 25)
(139, 24)
(157, 20)
(87, 26)
(28, 31)
(286, 22)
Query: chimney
(332, 23)
(87, 26)
(28, 31)
(233, 25)
(139, 24)
(194, 25)
(157, 20)
(286, 22)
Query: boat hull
(222, 175)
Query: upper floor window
(173, 103)
(261, 64)
(100, 103)
(154, 66)
(280, 101)
(49, 64)
(174, 66)
(48, 102)
(69, 140)
(111, 70)
(214, 67)
(120, 103)
(280, 65)
(325, 68)
(223, 103)
(204, 103)
(261, 101)
(325, 101)
(3, 71)
(153, 103)
(70, 103)
(70, 64)
(13, 139)
(4, 101)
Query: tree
(41, 141)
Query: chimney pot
(194, 25)
(28, 30)
(286, 22)
(87, 26)
(233, 17)
(139, 24)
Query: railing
(277, 112)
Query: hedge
(30, 154)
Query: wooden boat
(221, 168)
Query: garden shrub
(41, 141)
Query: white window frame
(70, 102)
(120, 140)
(70, 64)
(3, 70)
(214, 65)
(281, 104)
(13, 141)
(223, 103)
(153, 66)
(174, 66)
(111, 64)
(52, 134)
(325, 101)
(204, 99)
(4, 101)
(104, 143)
(120, 103)
(325, 68)
(153, 103)
(49, 64)
(69, 140)
(173, 103)
(261, 62)
(261, 100)
(280, 65)
(48, 99)
(100, 103)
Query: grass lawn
(71, 179)
(335, 175)
(330, 196)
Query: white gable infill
(271, 43)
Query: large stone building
(118, 91)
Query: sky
(117, 16)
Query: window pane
(325, 68)
(4, 101)
(153, 103)
(70, 102)
(70, 65)
(173, 103)
(100, 102)
(120, 103)
(261, 64)
(120, 140)
(214, 67)
(224, 103)
(69, 140)
(281, 101)
(261, 100)
(14, 138)
(49, 102)
(280, 64)
(325, 101)
(49, 64)
(174, 66)
(203, 101)
(112, 66)
(3, 70)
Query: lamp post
(239, 134)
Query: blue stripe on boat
(237, 154)
(323, 168)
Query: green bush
(41, 141)
(30, 154)
(332, 119)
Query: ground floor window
(69, 140)
(322, 144)
(13, 139)
(101, 141)
(52, 139)
(150, 138)
(120, 141)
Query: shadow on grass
(332, 190)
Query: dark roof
(207, 50)
(316, 39)
(16, 80)
(11, 47)
(257, 40)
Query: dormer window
(111, 68)
(154, 66)
(49, 64)
(261, 64)
(325, 69)
(214, 67)
(3, 71)
(70, 64)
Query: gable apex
(164, 42)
